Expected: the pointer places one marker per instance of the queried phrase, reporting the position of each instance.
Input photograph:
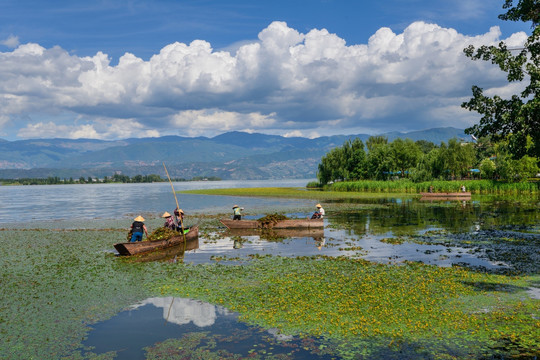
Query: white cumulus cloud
(12, 41)
(286, 82)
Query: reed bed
(407, 186)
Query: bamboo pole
(177, 206)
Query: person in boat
(430, 190)
(138, 228)
(237, 212)
(463, 188)
(169, 221)
(179, 215)
(319, 214)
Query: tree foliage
(517, 118)
(408, 159)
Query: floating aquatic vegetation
(270, 220)
(203, 345)
(394, 240)
(347, 299)
(162, 233)
(56, 282)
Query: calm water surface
(106, 201)
(155, 320)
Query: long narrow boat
(170, 253)
(446, 194)
(139, 247)
(282, 224)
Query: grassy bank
(284, 192)
(362, 189)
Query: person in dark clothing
(179, 215)
(137, 229)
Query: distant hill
(232, 155)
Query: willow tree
(516, 119)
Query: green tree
(374, 141)
(425, 146)
(517, 118)
(405, 154)
(325, 172)
(355, 159)
(487, 169)
(458, 158)
(526, 167)
(380, 161)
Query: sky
(104, 69)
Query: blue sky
(118, 69)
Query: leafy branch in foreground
(517, 118)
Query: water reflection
(182, 327)
(277, 234)
(182, 311)
(410, 217)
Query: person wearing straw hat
(169, 221)
(137, 229)
(319, 214)
(237, 212)
(179, 215)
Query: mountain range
(232, 155)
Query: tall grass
(407, 186)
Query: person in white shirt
(319, 214)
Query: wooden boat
(446, 196)
(171, 253)
(315, 233)
(139, 247)
(282, 224)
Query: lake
(490, 234)
(106, 201)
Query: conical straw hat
(139, 218)
(166, 215)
